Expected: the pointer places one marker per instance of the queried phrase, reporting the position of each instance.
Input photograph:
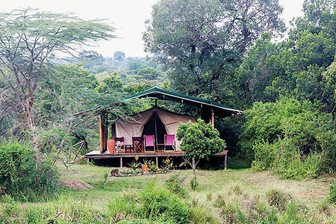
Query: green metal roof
(165, 94)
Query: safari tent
(155, 125)
(154, 121)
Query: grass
(222, 196)
(308, 192)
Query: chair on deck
(169, 142)
(119, 144)
(149, 142)
(137, 144)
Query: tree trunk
(194, 174)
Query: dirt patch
(75, 184)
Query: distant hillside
(137, 71)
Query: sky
(127, 16)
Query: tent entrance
(154, 126)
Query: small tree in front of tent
(199, 141)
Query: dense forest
(236, 53)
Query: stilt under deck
(96, 155)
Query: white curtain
(132, 127)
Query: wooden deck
(96, 155)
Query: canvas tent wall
(134, 126)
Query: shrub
(290, 136)
(293, 215)
(200, 215)
(264, 155)
(230, 213)
(24, 175)
(34, 216)
(123, 207)
(102, 183)
(289, 164)
(271, 217)
(237, 190)
(8, 209)
(175, 185)
(277, 199)
(333, 193)
(194, 185)
(153, 203)
(199, 141)
(159, 204)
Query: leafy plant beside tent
(199, 141)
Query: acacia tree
(203, 41)
(29, 42)
(199, 141)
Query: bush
(290, 136)
(159, 204)
(200, 215)
(8, 210)
(333, 193)
(24, 175)
(277, 199)
(126, 206)
(153, 203)
(175, 185)
(293, 215)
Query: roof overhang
(164, 94)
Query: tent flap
(134, 126)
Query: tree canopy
(29, 42)
(202, 42)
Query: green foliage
(160, 204)
(33, 38)
(135, 166)
(72, 89)
(199, 140)
(167, 164)
(153, 203)
(104, 180)
(199, 214)
(25, 175)
(201, 57)
(194, 184)
(175, 185)
(333, 193)
(152, 166)
(124, 207)
(258, 70)
(277, 199)
(290, 136)
(293, 215)
(112, 84)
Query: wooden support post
(212, 119)
(121, 162)
(225, 161)
(157, 162)
(103, 128)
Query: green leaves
(203, 41)
(291, 137)
(199, 140)
(25, 175)
(29, 42)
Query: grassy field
(218, 182)
(220, 193)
